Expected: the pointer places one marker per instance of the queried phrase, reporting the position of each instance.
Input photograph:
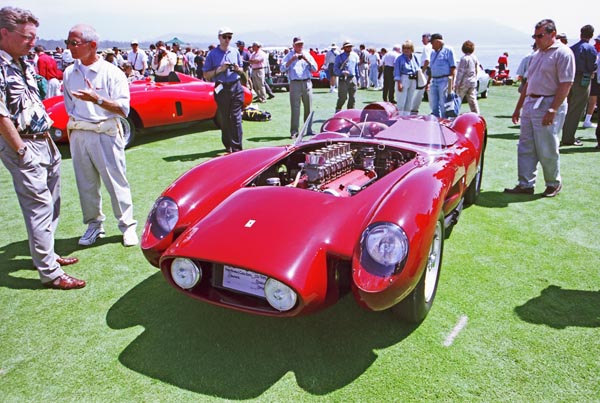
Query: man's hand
(88, 94)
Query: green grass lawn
(516, 317)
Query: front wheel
(415, 307)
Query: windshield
(381, 121)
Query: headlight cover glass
(56, 134)
(384, 247)
(185, 273)
(279, 295)
(163, 216)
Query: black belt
(306, 79)
(539, 96)
(447, 75)
(35, 136)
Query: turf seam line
(462, 322)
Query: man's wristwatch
(21, 151)
(551, 110)
(100, 101)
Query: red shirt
(47, 68)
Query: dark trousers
(577, 101)
(230, 101)
(388, 84)
(346, 91)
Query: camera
(300, 56)
(231, 67)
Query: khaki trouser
(101, 157)
(36, 179)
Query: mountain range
(382, 33)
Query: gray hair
(10, 17)
(88, 33)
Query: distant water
(488, 54)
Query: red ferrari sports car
(183, 99)
(360, 208)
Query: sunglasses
(226, 36)
(538, 36)
(75, 43)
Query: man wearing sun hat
(223, 66)
(443, 72)
(137, 58)
(299, 66)
(259, 61)
(346, 69)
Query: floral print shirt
(19, 96)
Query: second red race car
(184, 99)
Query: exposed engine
(339, 168)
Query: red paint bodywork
(310, 240)
(157, 104)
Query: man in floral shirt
(27, 150)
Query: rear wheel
(484, 94)
(128, 131)
(474, 188)
(415, 307)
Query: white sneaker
(130, 238)
(91, 235)
(589, 125)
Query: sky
(146, 20)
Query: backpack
(254, 114)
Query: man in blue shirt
(585, 65)
(299, 66)
(346, 68)
(224, 66)
(443, 68)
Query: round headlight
(386, 244)
(164, 216)
(279, 295)
(185, 273)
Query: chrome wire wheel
(434, 260)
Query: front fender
(201, 189)
(414, 204)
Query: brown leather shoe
(65, 282)
(65, 261)
(519, 190)
(552, 191)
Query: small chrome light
(164, 215)
(185, 273)
(56, 134)
(279, 295)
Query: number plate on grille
(244, 281)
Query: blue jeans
(437, 96)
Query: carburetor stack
(328, 163)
